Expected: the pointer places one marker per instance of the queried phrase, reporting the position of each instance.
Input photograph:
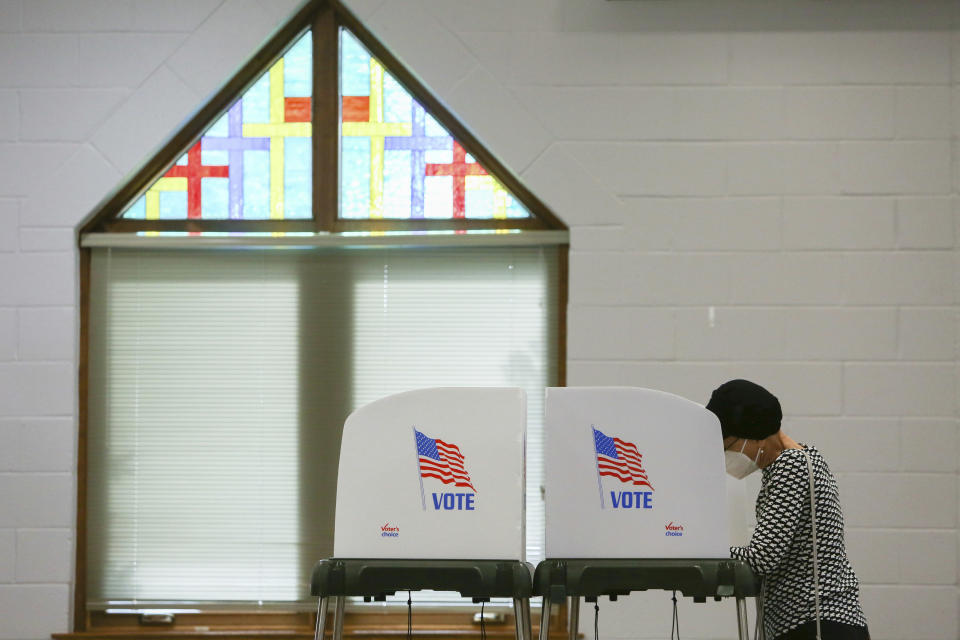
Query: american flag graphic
(619, 459)
(441, 460)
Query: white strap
(813, 526)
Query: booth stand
(573, 578)
(375, 579)
(430, 495)
(635, 500)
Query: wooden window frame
(324, 18)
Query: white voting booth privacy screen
(434, 474)
(633, 473)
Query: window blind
(220, 381)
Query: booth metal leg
(321, 618)
(527, 624)
(545, 619)
(742, 627)
(518, 618)
(338, 617)
(574, 616)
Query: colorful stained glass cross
(235, 143)
(459, 169)
(284, 123)
(195, 171)
(418, 143)
(377, 130)
(152, 197)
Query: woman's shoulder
(792, 461)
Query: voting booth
(430, 495)
(635, 500)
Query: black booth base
(559, 578)
(377, 578)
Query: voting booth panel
(434, 474)
(633, 473)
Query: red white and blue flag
(442, 460)
(619, 459)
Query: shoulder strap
(813, 526)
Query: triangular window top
(322, 130)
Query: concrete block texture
(9, 221)
(908, 611)
(904, 389)
(37, 445)
(44, 555)
(34, 610)
(36, 500)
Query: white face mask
(739, 465)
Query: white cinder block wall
(757, 189)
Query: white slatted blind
(219, 380)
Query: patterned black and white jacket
(781, 546)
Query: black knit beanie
(746, 410)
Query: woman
(781, 548)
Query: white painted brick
(803, 388)
(44, 555)
(606, 238)
(676, 278)
(171, 15)
(83, 15)
(8, 334)
(724, 333)
(925, 223)
(9, 115)
(47, 239)
(498, 119)
(895, 167)
(124, 60)
(42, 444)
(8, 268)
(840, 334)
(928, 557)
(42, 60)
(595, 277)
(36, 389)
(9, 221)
(66, 114)
(899, 500)
(929, 445)
(671, 58)
(705, 224)
(40, 610)
(920, 613)
(928, 334)
(840, 440)
(153, 111)
(787, 278)
(36, 500)
(595, 374)
(917, 57)
(872, 554)
(82, 181)
(569, 190)
(898, 278)
(26, 168)
(838, 223)
(211, 53)
(491, 15)
(562, 58)
(46, 278)
(47, 333)
(924, 112)
(647, 225)
(788, 57)
(879, 389)
(655, 168)
(820, 113)
(9, 434)
(10, 15)
(785, 168)
(492, 50)
(727, 113)
(8, 551)
(620, 333)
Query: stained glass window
(253, 163)
(397, 161)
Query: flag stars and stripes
(619, 459)
(442, 460)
